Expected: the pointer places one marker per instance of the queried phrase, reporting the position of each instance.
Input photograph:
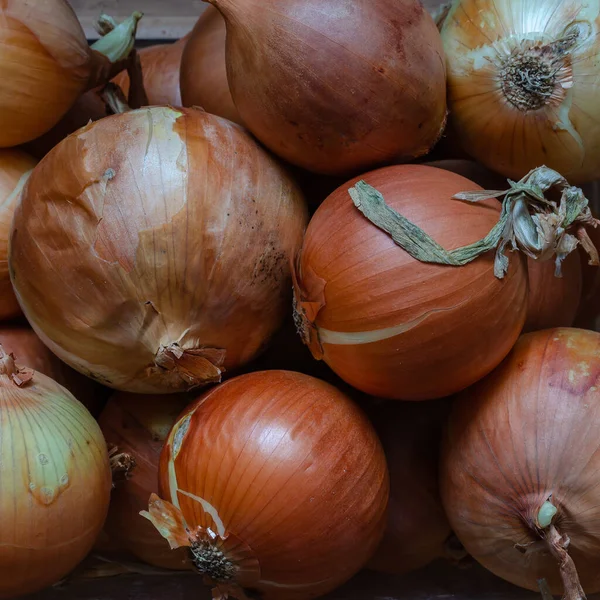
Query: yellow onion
(55, 478)
(15, 168)
(151, 249)
(46, 64)
(522, 84)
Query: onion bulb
(522, 84)
(137, 426)
(417, 527)
(336, 89)
(55, 480)
(277, 485)
(176, 230)
(519, 474)
(46, 64)
(393, 326)
(203, 70)
(15, 168)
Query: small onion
(521, 460)
(336, 88)
(417, 527)
(137, 426)
(176, 230)
(390, 325)
(203, 71)
(15, 168)
(281, 482)
(522, 84)
(55, 480)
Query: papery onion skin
(385, 322)
(55, 483)
(292, 468)
(336, 90)
(15, 168)
(203, 77)
(527, 431)
(138, 425)
(498, 121)
(177, 230)
(417, 527)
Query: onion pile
(336, 88)
(55, 480)
(521, 460)
(389, 324)
(162, 254)
(277, 485)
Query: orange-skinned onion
(552, 301)
(417, 527)
(45, 66)
(137, 425)
(176, 229)
(526, 434)
(203, 70)
(282, 482)
(334, 90)
(55, 480)
(522, 84)
(390, 325)
(15, 168)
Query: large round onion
(176, 231)
(417, 527)
(335, 89)
(137, 425)
(281, 481)
(203, 70)
(389, 324)
(15, 168)
(55, 480)
(46, 64)
(520, 442)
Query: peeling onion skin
(417, 527)
(528, 430)
(561, 126)
(458, 323)
(295, 472)
(336, 89)
(56, 484)
(203, 77)
(138, 425)
(15, 167)
(178, 230)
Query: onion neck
(18, 375)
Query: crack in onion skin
(293, 474)
(203, 76)
(334, 88)
(176, 230)
(398, 321)
(482, 38)
(527, 431)
(55, 484)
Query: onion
(335, 89)
(520, 464)
(176, 230)
(46, 64)
(386, 322)
(138, 425)
(417, 527)
(55, 480)
(521, 84)
(203, 70)
(15, 168)
(281, 482)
